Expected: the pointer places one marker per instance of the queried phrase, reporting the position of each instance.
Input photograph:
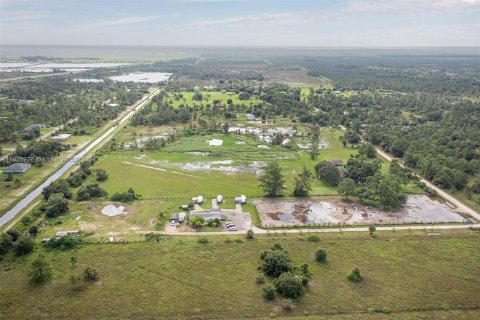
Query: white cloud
(243, 20)
(115, 22)
(17, 16)
(401, 6)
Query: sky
(263, 23)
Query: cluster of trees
(90, 191)
(56, 100)
(21, 244)
(37, 151)
(290, 281)
(126, 197)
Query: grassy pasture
(406, 272)
(209, 97)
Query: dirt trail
(161, 169)
(460, 206)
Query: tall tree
(303, 182)
(271, 180)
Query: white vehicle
(229, 224)
(232, 228)
(172, 223)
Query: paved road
(10, 214)
(330, 230)
(460, 206)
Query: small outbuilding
(30, 128)
(62, 137)
(197, 200)
(17, 168)
(219, 199)
(208, 216)
(241, 200)
(60, 234)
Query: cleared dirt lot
(332, 210)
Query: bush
(238, 240)
(289, 285)
(90, 274)
(63, 243)
(101, 174)
(41, 271)
(355, 275)
(275, 262)
(313, 238)
(56, 205)
(269, 292)
(90, 191)
(287, 304)
(260, 279)
(203, 240)
(23, 245)
(321, 255)
(249, 234)
(372, 229)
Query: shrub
(269, 292)
(372, 229)
(260, 279)
(275, 263)
(63, 243)
(23, 245)
(313, 238)
(203, 240)
(41, 271)
(90, 274)
(238, 240)
(56, 205)
(289, 285)
(101, 174)
(321, 255)
(355, 275)
(249, 234)
(386, 310)
(287, 304)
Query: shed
(219, 199)
(35, 126)
(17, 168)
(197, 200)
(62, 137)
(241, 200)
(60, 234)
(208, 216)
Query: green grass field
(414, 275)
(209, 97)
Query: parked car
(229, 224)
(232, 228)
(172, 223)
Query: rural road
(460, 206)
(330, 230)
(10, 214)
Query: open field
(406, 272)
(190, 166)
(208, 98)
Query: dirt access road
(460, 206)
